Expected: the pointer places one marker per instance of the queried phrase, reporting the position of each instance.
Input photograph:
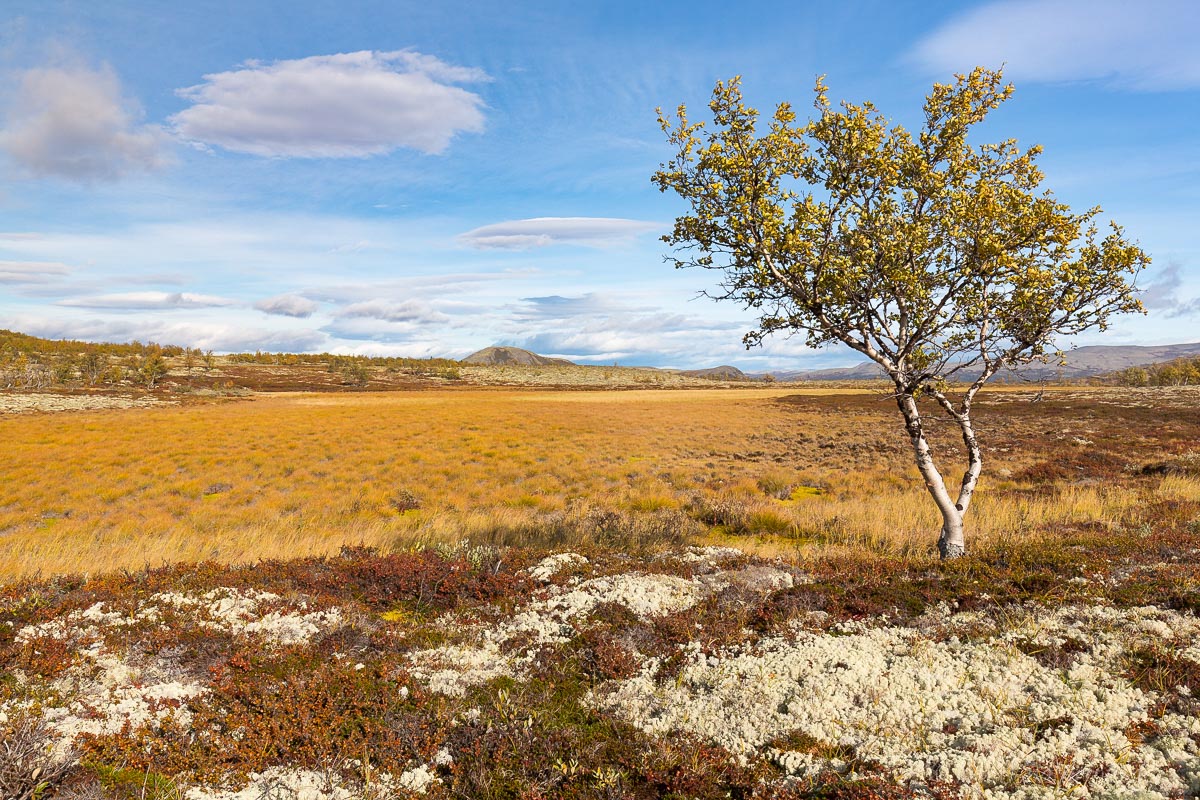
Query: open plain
(514, 592)
(792, 470)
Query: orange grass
(291, 475)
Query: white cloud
(74, 123)
(287, 305)
(375, 330)
(147, 301)
(557, 307)
(525, 234)
(603, 328)
(337, 106)
(218, 336)
(1148, 46)
(444, 284)
(352, 247)
(1162, 294)
(31, 271)
(411, 311)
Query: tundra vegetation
(934, 257)
(30, 362)
(466, 592)
(664, 594)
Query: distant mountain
(513, 356)
(866, 371)
(721, 373)
(1087, 361)
(1083, 362)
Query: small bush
(404, 500)
(769, 522)
(729, 512)
(777, 485)
(27, 767)
(1186, 465)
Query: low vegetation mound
(609, 631)
(483, 672)
(721, 373)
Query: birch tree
(940, 260)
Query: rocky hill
(495, 356)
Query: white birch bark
(950, 543)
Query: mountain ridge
(1082, 362)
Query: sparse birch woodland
(937, 259)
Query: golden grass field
(779, 470)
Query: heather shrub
(541, 738)
(295, 708)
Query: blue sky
(425, 179)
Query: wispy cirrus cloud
(24, 272)
(558, 307)
(1144, 46)
(526, 234)
(74, 122)
(362, 329)
(347, 105)
(147, 301)
(1162, 294)
(410, 311)
(287, 305)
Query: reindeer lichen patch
(240, 612)
(979, 713)
(305, 784)
(550, 621)
(452, 669)
(103, 693)
(551, 565)
(711, 555)
(77, 626)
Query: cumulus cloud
(411, 311)
(287, 305)
(74, 123)
(147, 301)
(20, 272)
(336, 106)
(526, 234)
(1146, 46)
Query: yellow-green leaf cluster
(927, 253)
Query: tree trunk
(974, 461)
(950, 543)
